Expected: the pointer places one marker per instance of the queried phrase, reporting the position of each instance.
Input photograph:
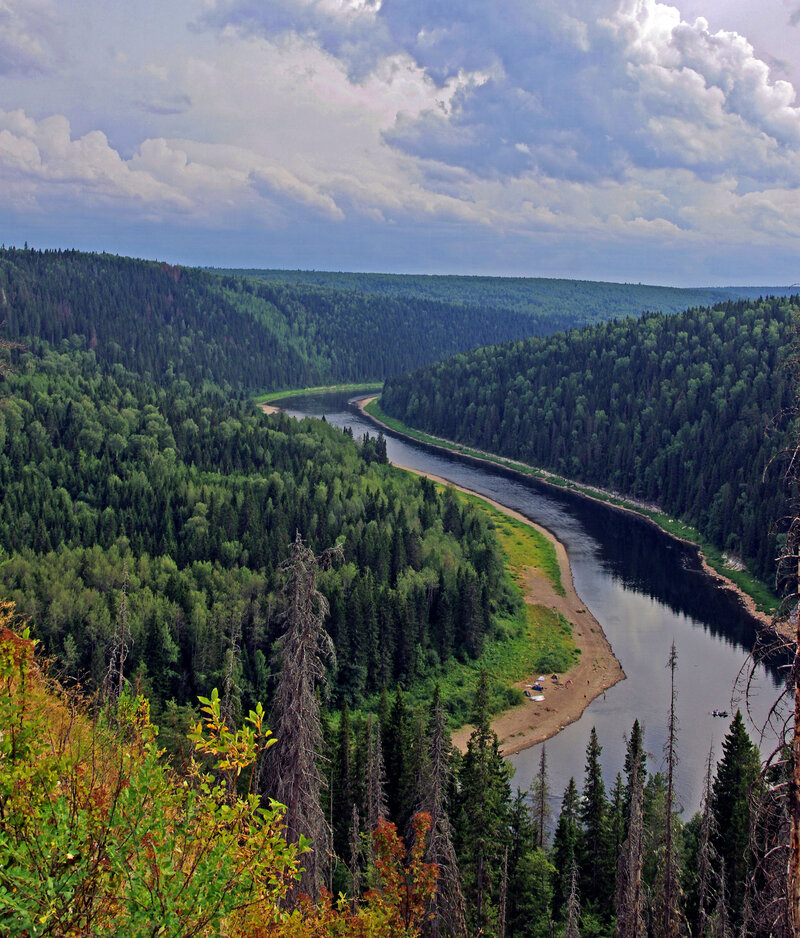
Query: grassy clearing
(765, 598)
(272, 396)
(522, 545)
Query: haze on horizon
(626, 140)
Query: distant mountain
(554, 304)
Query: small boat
(719, 713)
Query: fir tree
(484, 796)
(595, 852)
(566, 845)
(737, 772)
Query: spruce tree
(448, 912)
(566, 845)
(484, 796)
(737, 772)
(595, 859)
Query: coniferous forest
(681, 411)
(182, 559)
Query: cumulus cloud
(41, 159)
(577, 90)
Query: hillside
(188, 503)
(552, 304)
(169, 321)
(675, 410)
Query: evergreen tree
(484, 797)
(448, 912)
(566, 845)
(595, 855)
(540, 796)
(342, 800)
(737, 772)
(630, 899)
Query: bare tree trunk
(376, 776)
(669, 899)
(630, 921)
(448, 905)
(573, 906)
(355, 859)
(115, 674)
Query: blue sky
(604, 139)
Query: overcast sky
(604, 139)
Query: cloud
(27, 30)
(575, 90)
(41, 159)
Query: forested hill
(188, 502)
(552, 304)
(174, 321)
(675, 410)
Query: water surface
(646, 590)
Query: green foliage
(669, 410)
(98, 837)
(195, 499)
(733, 792)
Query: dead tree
(114, 680)
(292, 775)
(630, 897)
(448, 906)
(375, 796)
(669, 893)
(573, 909)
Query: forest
(166, 322)
(189, 502)
(551, 304)
(211, 619)
(678, 411)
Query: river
(646, 590)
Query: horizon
(620, 141)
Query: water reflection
(646, 590)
